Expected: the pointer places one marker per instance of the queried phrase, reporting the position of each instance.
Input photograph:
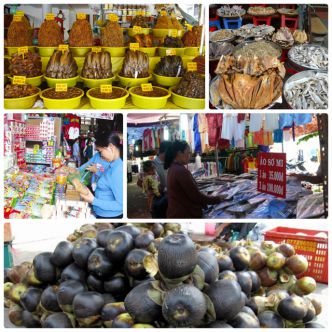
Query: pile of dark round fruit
(158, 277)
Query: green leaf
(210, 315)
(198, 277)
(155, 296)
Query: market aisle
(137, 204)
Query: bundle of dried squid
(97, 65)
(61, 65)
(171, 66)
(135, 64)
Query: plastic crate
(308, 244)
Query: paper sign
(113, 17)
(19, 13)
(63, 48)
(106, 88)
(61, 87)
(272, 174)
(96, 49)
(192, 66)
(163, 13)
(171, 51)
(137, 29)
(146, 87)
(49, 17)
(23, 50)
(189, 27)
(134, 46)
(174, 33)
(17, 18)
(81, 16)
(19, 80)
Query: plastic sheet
(310, 206)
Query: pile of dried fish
(257, 49)
(200, 60)
(171, 66)
(19, 91)
(135, 64)
(168, 22)
(247, 82)
(300, 36)
(283, 37)
(61, 65)
(193, 38)
(254, 31)
(310, 56)
(50, 34)
(143, 40)
(261, 11)
(112, 35)
(173, 42)
(221, 35)
(97, 65)
(140, 21)
(219, 49)
(28, 65)
(288, 11)
(192, 85)
(309, 92)
(80, 34)
(19, 33)
(228, 11)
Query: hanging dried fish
(80, 34)
(61, 65)
(50, 34)
(135, 64)
(97, 65)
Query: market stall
(167, 275)
(233, 156)
(277, 52)
(104, 56)
(45, 163)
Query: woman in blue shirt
(107, 201)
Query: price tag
(106, 88)
(163, 13)
(174, 33)
(134, 46)
(113, 17)
(137, 29)
(138, 13)
(61, 87)
(23, 50)
(17, 18)
(189, 27)
(49, 17)
(81, 16)
(171, 51)
(146, 87)
(192, 66)
(63, 48)
(50, 143)
(19, 13)
(19, 80)
(96, 49)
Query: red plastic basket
(308, 244)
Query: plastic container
(21, 103)
(149, 102)
(161, 33)
(150, 51)
(191, 51)
(130, 82)
(95, 83)
(178, 51)
(132, 33)
(62, 103)
(71, 82)
(34, 81)
(99, 103)
(13, 49)
(46, 51)
(115, 51)
(80, 51)
(185, 102)
(166, 80)
(307, 243)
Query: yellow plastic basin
(191, 51)
(99, 103)
(178, 51)
(34, 81)
(95, 83)
(21, 103)
(150, 51)
(185, 102)
(51, 82)
(128, 82)
(80, 51)
(166, 80)
(62, 103)
(46, 51)
(160, 33)
(149, 102)
(144, 31)
(13, 49)
(115, 51)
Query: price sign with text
(137, 29)
(61, 87)
(174, 33)
(19, 13)
(171, 51)
(192, 66)
(19, 80)
(49, 17)
(23, 50)
(81, 16)
(163, 13)
(113, 17)
(63, 48)
(134, 46)
(96, 49)
(106, 88)
(146, 87)
(272, 174)
(17, 18)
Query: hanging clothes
(203, 131)
(271, 121)
(214, 122)
(256, 121)
(197, 137)
(278, 136)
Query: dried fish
(219, 49)
(310, 56)
(221, 35)
(300, 36)
(261, 11)
(257, 49)
(283, 37)
(228, 11)
(308, 93)
(254, 31)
